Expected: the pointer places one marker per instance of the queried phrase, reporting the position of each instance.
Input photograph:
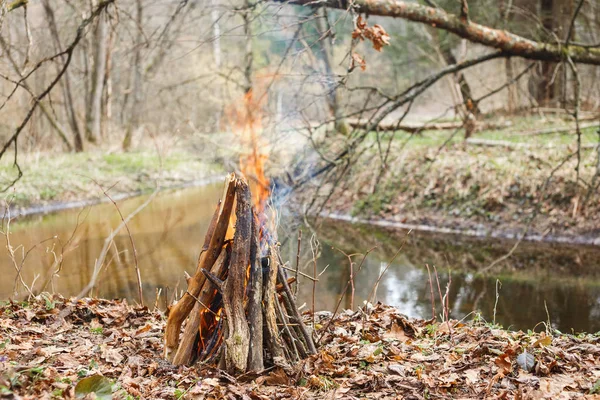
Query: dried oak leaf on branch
(357, 60)
(376, 34)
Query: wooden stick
(279, 288)
(237, 342)
(255, 317)
(298, 262)
(186, 352)
(293, 310)
(273, 339)
(180, 311)
(291, 339)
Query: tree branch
(508, 42)
(36, 100)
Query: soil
(474, 190)
(53, 347)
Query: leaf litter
(80, 349)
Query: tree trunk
(512, 102)
(107, 94)
(555, 16)
(134, 116)
(65, 82)
(333, 89)
(94, 107)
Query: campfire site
(237, 333)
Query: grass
(436, 175)
(512, 134)
(70, 176)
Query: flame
(254, 156)
(245, 119)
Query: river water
(538, 282)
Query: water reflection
(168, 235)
(565, 280)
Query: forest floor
(521, 177)
(58, 348)
(54, 181)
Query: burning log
(213, 243)
(241, 314)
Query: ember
(241, 314)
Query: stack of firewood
(241, 314)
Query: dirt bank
(515, 183)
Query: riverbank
(53, 182)
(500, 183)
(57, 348)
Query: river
(539, 282)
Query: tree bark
(334, 94)
(508, 42)
(255, 318)
(237, 342)
(94, 109)
(134, 117)
(65, 82)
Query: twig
(11, 251)
(437, 279)
(431, 291)
(124, 222)
(337, 307)
(373, 292)
(314, 247)
(572, 24)
(200, 302)
(108, 241)
(301, 273)
(297, 262)
(351, 265)
(447, 305)
(498, 286)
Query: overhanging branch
(508, 42)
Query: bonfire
(241, 314)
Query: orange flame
(246, 119)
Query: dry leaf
(471, 376)
(376, 34)
(358, 60)
(542, 342)
(396, 332)
(142, 330)
(504, 363)
(111, 355)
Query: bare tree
(65, 82)
(94, 106)
(135, 112)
